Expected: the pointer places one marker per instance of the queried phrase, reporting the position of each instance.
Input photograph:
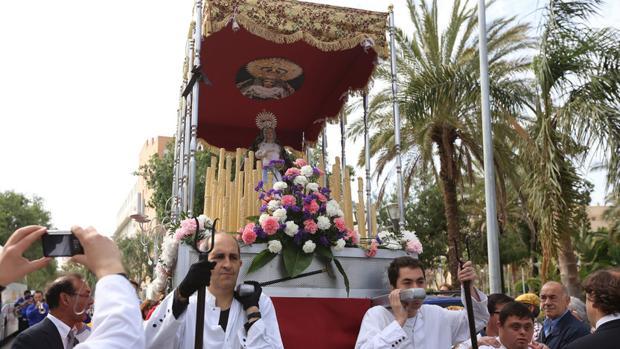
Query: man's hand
(467, 273)
(250, 300)
(400, 313)
(490, 341)
(198, 275)
(13, 265)
(101, 255)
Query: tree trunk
(568, 267)
(444, 138)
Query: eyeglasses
(87, 295)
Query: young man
(532, 302)
(516, 327)
(603, 308)
(68, 298)
(488, 336)
(560, 327)
(37, 310)
(231, 320)
(415, 325)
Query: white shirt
(607, 318)
(492, 347)
(117, 321)
(432, 327)
(163, 331)
(268, 152)
(63, 329)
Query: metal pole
(343, 141)
(194, 119)
(489, 175)
(396, 111)
(324, 153)
(367, 158)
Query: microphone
(245, 289)
(406, 296)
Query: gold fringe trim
(267, 34)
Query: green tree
(136, 252)
(17, 210)
(438, 74)
(576, 114)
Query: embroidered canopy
(294, 59)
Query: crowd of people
(249, 320)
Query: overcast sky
(84, 83)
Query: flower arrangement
(298, 220)
(406, 240)
(182, 232)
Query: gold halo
(266, 119)
(274, 68)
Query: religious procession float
(261, 81)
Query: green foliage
(16, 211)
(135, 256)
(295, 259)
(158, 176)
(260, 260)
(598, 249)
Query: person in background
(37, 310)
(488, 336)
(533, 304)
(21, 304)
(603, 309)
(516, 328)
(578, 309)
(560, 327)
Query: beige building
(595, 215)
(139, 195)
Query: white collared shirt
(63, 329)
(607, 318)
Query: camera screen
(56, 245)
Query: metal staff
(468, 302)
(200, 303)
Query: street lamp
(393, 211)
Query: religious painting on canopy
(269, 78)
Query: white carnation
(383, 234)
(323, 223)
(408, 235)
(393, 245)
(291, 228)
(204, 222)
(339, 245)
(307, 171)
(262, 218)
(280, 185)
(280, 214)
(333, 209)
(309, 246)
(301, 180)
(274, 246)
(312, 187)
(274, 205)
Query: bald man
(559, 328)
(231, 320)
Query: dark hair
(496, 299)
(603, 290)
(517, 309)
(27, 293)
(402, 262)
(63, 284)
(38, 291)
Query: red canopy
(304, 102)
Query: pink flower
(312, 207)
(300, 162)
(414, 246)
(353, 236)
(340, 225)
(270, 225)
(292, 172)
(372, 250)
(310, 226)
(181, 233)
(288, 200)
(321, 197)
(248, 235)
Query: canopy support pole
(396, 112)
(324, 154)
(489, 170)
(367, 158)
(343, 141)
(194, 116)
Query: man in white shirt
(516, 328)
(68, 298)
(231, 320)
(416, 325)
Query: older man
(560, 327)
(516, 327)
(603, 308)
(231, 320)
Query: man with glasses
(69, 299)
(516, 328)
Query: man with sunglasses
(69, 298)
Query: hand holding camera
(12, 262)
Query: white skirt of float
(367, 275)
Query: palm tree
(576, 113)
(438, 76)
